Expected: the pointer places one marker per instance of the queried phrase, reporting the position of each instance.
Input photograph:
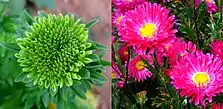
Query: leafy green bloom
(54, 51)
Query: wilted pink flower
(217, 48)
(198, 77)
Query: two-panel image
(111, 54)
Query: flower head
(117, 18)
(198, 76)
(126, 5)
(54, 51)
(179, 49)
(148, 25)
(123, 54)
(120, 84)
(116, 73)
(217, 106)
(217, 48)
(211, 6)
(137, 68)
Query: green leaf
(105, 63)
(29, 18)
(94, 57)
(63, 94)
(92, 22)
(45, 4)
(101, 47)
(87, 83)
(84, 73)
(42, 14)
(45, 98)
(79, 91)
(10, 46)
(8, 25)
(98, 77)
(7, 1)
(76, 83)
(20, 77)
(16, 6)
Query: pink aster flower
(117, 17)
(211, 6)
(120, 84)
(179, 49)
(137, 68)
(126, 5)
(148, 25)
(116, 73)
(217, 106)
(166, 0)
(198, 77)
(217, 48)
(123, 54)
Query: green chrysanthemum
(54, 50)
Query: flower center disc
(140, 65)
(114, 75)
(167, 46)
(147, 30)
(201, 79)
(126, 53)
(118, 20)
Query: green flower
(54, 50)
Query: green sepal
(45, 98)
(79, 91)
(20, 77)
(63, 93)
(92, 22)
(84, 73)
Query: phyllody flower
(54, 52)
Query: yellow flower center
(200, 79)
(167, 46)
(118, 20)
(140, 65)
(114, 75)
(126, 53)
(209, 1)
(147, 30)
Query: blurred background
(99, 98)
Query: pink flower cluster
(144, 28)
